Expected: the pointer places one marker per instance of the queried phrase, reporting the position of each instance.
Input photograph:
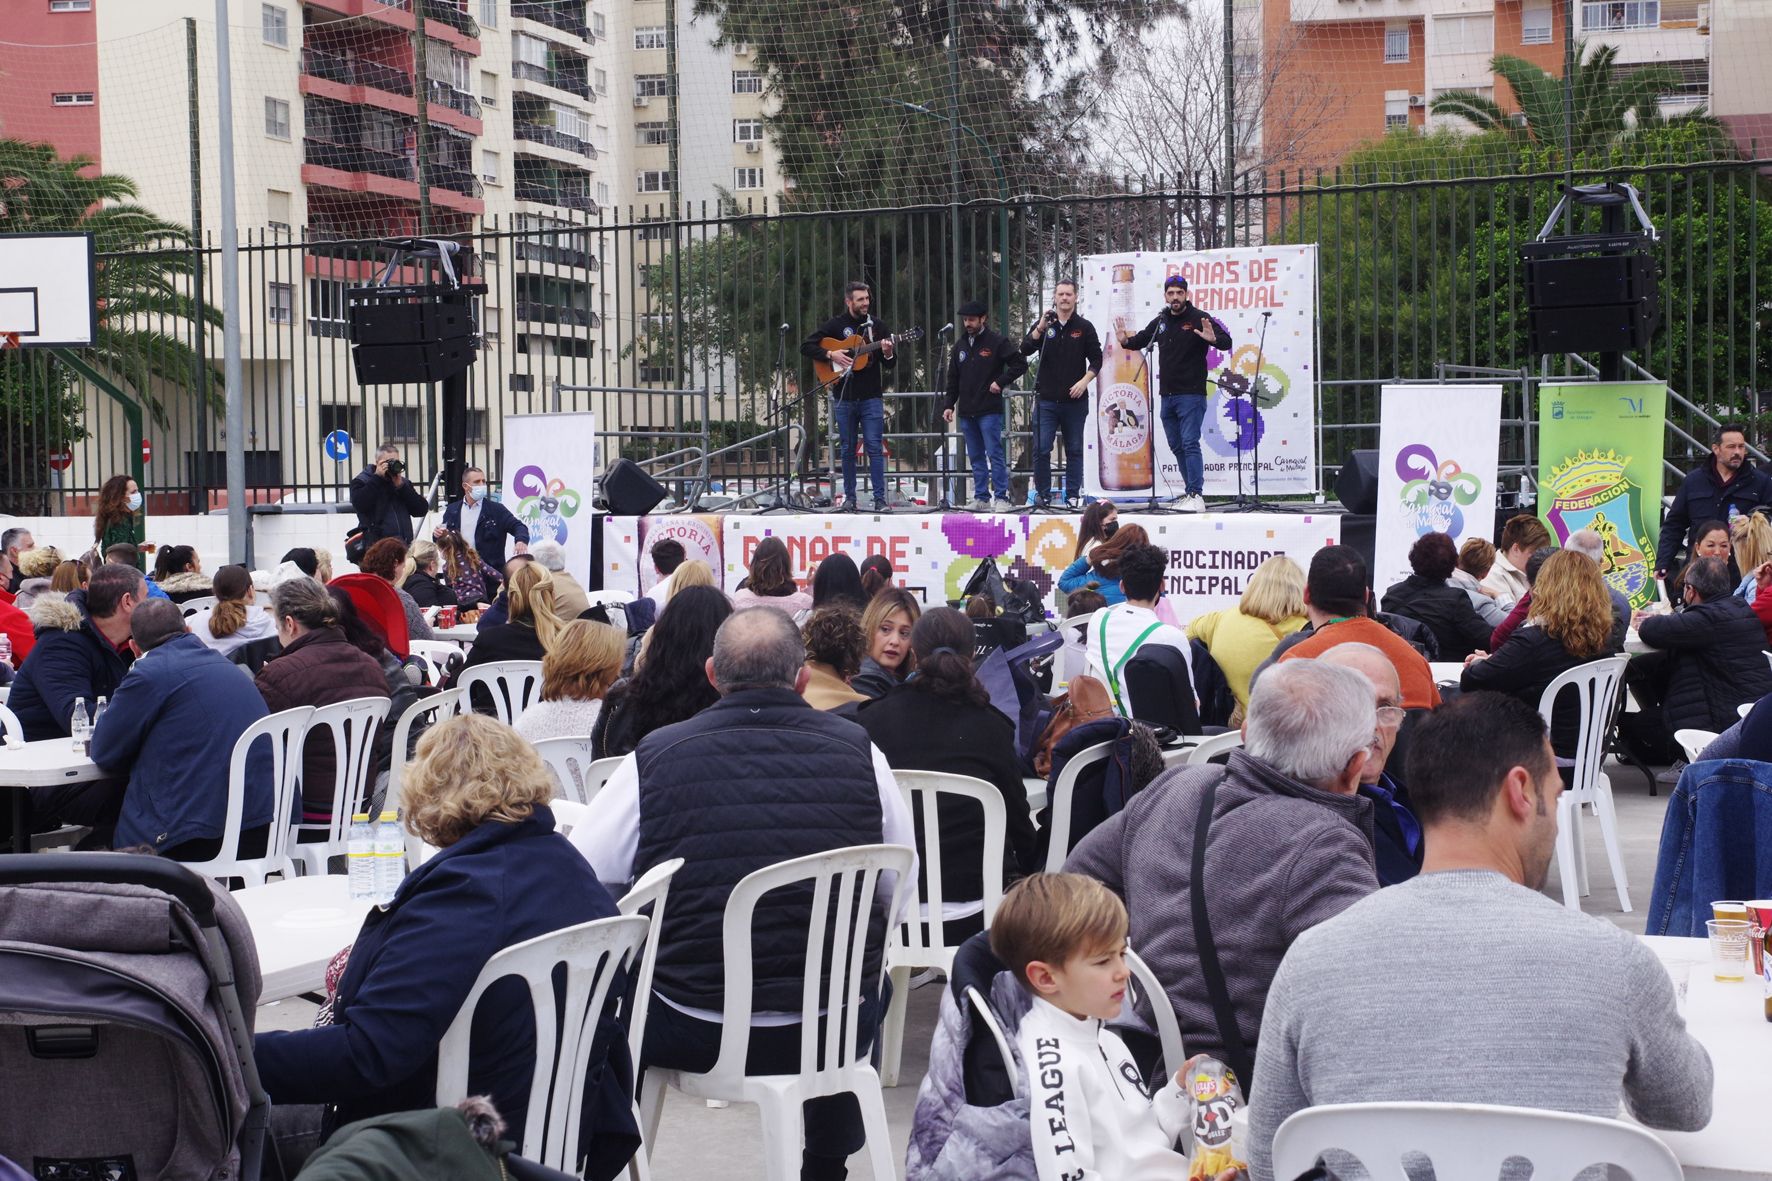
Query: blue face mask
(134, 502)
(477, 492)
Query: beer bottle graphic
(1123, 403)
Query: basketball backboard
(46, 290)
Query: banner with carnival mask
(1437, 455)
(549, 478)
(1600, 448)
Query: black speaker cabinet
(629, 491)
(1591, 293)
(399, 364)
(410, 334)
(1356, 485)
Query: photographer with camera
(385, 502)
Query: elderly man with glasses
(1396, 833)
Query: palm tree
(1609, 102)
(148, 315)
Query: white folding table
(44, 763)
(298, 925)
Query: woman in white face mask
(119, 516)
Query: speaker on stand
(629, 491)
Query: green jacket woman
(119, 517)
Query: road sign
(338, 446)
(147, 452)
(61, 460)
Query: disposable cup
(1728, 948)
(1759, 914)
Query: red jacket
(15, 625)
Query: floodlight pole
(230, 282)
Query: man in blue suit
(485, 523)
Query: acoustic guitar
(858, 348)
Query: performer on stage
(857, 391)
(1070, 357)
(1183, 334)
(983, 364)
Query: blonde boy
(1064, 937)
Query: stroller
(127, 991)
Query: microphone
(946, 329)
(867, 327)
(1051, 315)
(1267, 315)
(783, 329)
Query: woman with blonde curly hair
(1571, 623)
(1750, 537)
(480, 794)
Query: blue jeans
(1182, 416)
(1049, 417)
(984, 441)
(870, 414)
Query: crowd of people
(1282, 898)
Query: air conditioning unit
(753, 147)
(640, 100)
(1418, 100)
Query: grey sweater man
(1281, 857)
(1462, 986)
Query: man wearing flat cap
(982, 366)
(1183, 334)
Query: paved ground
(696, 1142)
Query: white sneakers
(1192, 504)
(1002, 505)
(979, 505)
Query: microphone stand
(1152, 506)
(1254, 504)
(943, 502)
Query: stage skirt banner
(1274, 410)
(550, 476)
(628, 544)
(1211, 556)
(1599, 467)
(1437, 449)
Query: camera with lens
(395, 468)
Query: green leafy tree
(1609, 102)
(147, 318)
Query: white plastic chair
(1060, 843)
(354, 725)
(1693, 742)
(1205, 750)
(515, 685)
(652, 890)
(593, 953)
(1168, 1026)
(568, 815)
(580, 776)
(190, 607)
(1597, 682)
(832, 1060)
(919, 942)
(435, 654)
(1745, 708)
(12, 731)
(1469, 1141)
(443, 705)
(286, 732)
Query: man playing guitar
(856, 387)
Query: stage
(1211, 554)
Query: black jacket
(1066, 351)
(1446, 611)
(496, 524)
(429, 590)
(383, 508)
(1181, 353)
(918, 731)
(863, 383)
(757, 778)
(1526, 665)
(973, 365)
(1390, 844)
(70, 659)
(1718, 662)
(1704, 497)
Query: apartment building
(1385, 61)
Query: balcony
(355, 158)
(445, 95)
(564, 256)
(568, 18)
(355, 72)
(449, 14)
(551, 313)
(574, 84)
(455, 180)
(539, 134)
(529, 190)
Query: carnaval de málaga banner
(1437, 455)
(1261, 396)
(550, 466)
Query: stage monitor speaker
(629, 491)
(1356, 485)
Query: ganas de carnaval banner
(1437, 449)
(1210, 555)
(1599, 467)
(1241, 288)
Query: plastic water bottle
(98, 711)
(360, 858)
(5, 649)
(390, 857)
(80, 727)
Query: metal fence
(623, 313)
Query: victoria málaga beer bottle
(1123, 403)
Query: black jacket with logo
(1181, 352)
(975, 363)
(1067, 351)
(863, 383)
